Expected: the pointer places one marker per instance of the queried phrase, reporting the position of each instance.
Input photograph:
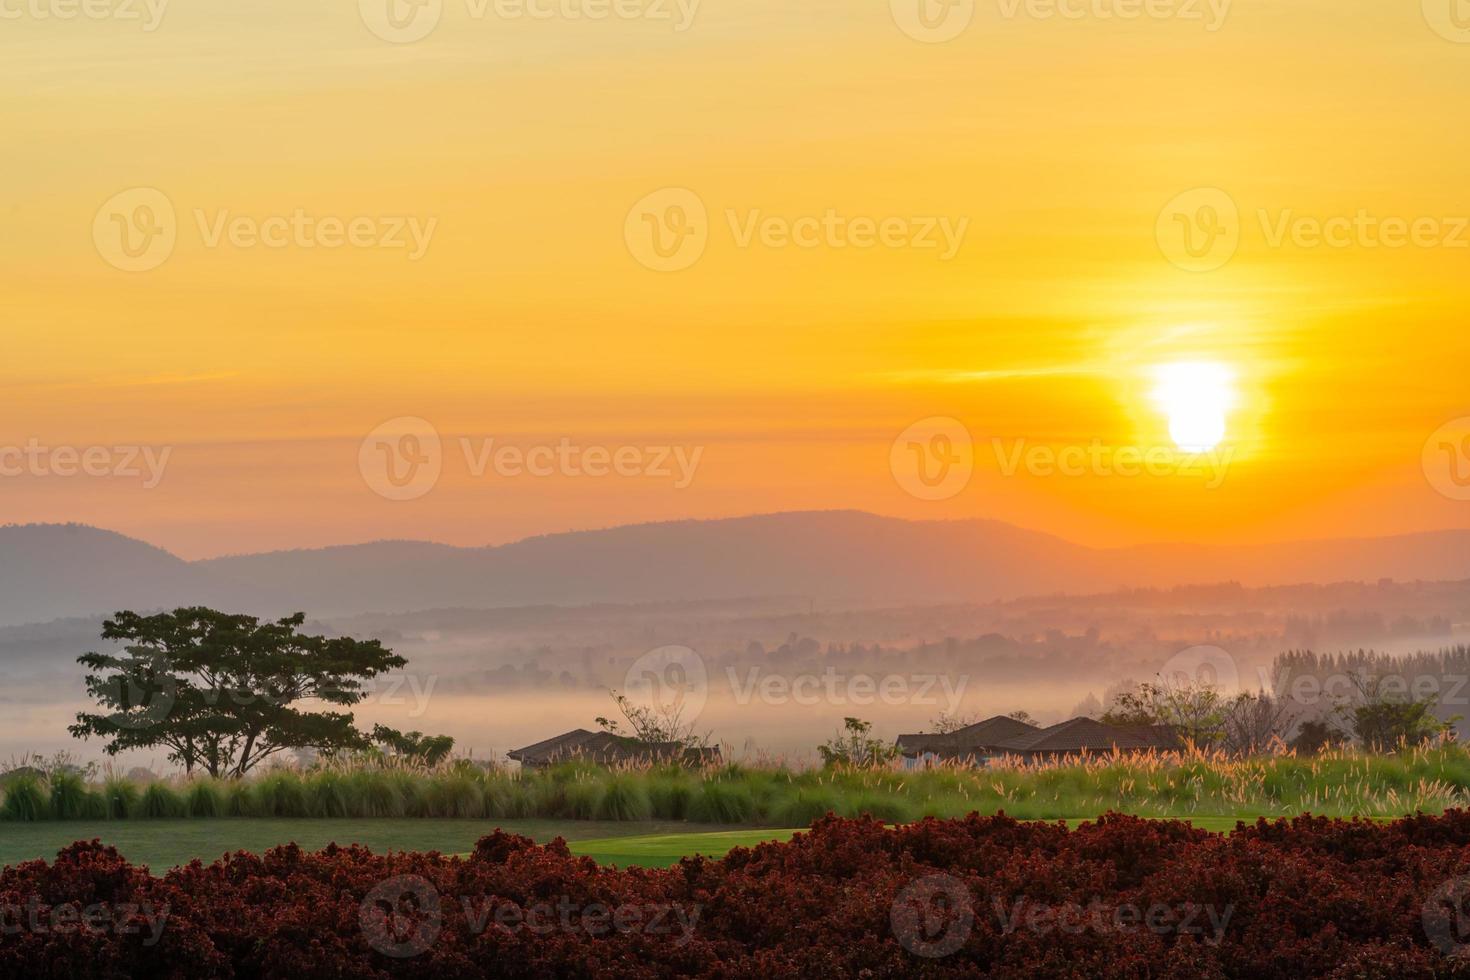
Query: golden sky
(1065, 145)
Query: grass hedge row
(1427, 779)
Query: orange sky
(1061, 153)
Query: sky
(286, 275)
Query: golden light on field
(1196, 397)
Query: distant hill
(53, 571)
(824, 554)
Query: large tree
(221, 692)
(1196, 711)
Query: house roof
(922, 742)
(550, 746)
(1089, 735)
(605, 747)
(994, 730)
(1154, 736)
(979, 737)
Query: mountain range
(50, 571)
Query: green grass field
(1429, 779)
(162, 844)
(665, 850)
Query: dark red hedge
(979, 897)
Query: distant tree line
(1312, 702)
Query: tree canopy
(222, 692)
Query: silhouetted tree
(220, 691)
(1315, 736)
(658, 724)
(416, 746)
(1254, 723)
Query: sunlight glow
(1196, 397)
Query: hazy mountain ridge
(55, 571)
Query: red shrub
(983, 896)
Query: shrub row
(1341, 784)
(977, 897)
(574, 792)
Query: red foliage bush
(979, 897)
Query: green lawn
(162, 844)
(665, 850)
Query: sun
(1196, 397)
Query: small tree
(1195, 711)
(414, 746)
(1088, 707)
(219, 691)
(854, 746)
(1254, 723)
(658, 724)
(1315, 736)
(1380, 719)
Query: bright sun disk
(1196, 397)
